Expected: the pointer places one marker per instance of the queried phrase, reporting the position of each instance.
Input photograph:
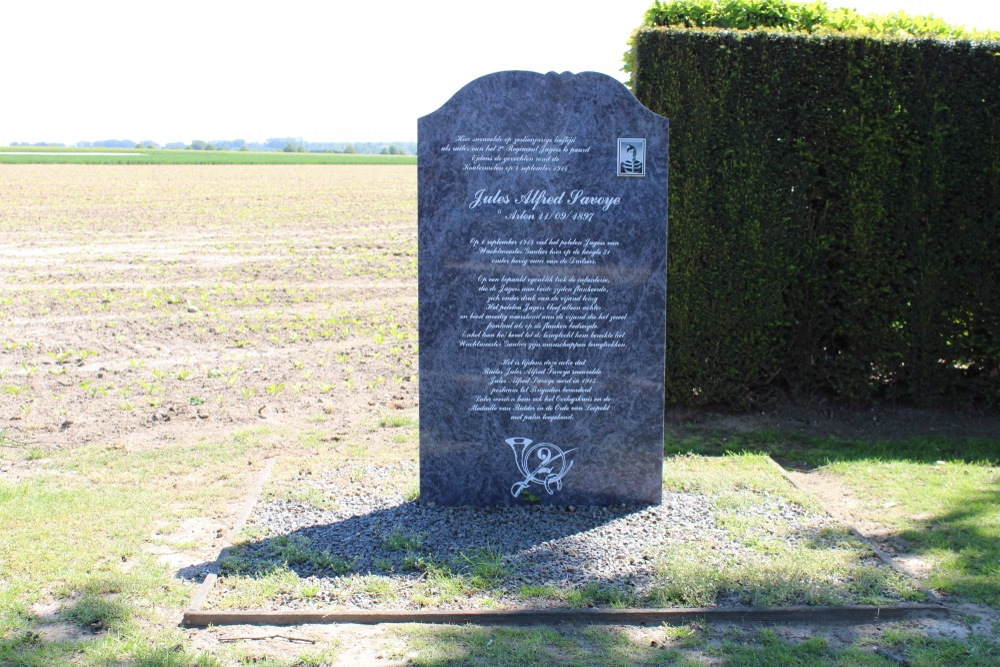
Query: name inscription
(536, 198)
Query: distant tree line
(39, 144)
(276, 144)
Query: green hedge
(833, 215)
(816, 18)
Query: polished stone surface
(542, 272)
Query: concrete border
(756, 615)
(248, 506)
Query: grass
(381, 588)
(123, 488)
(397, 421)
(168, 156)
(842, 573)
(949, 513)
(596, 594)
(254, 591)
(938, 497)
(827, 567)
(771, 650)
(75, 538)
(498, 646)
(804, 451)
(485, 566)
(399, 540)
(924, 650)
(54, 545)
(696, 644)
(297, 550)
(247, 562)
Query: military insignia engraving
(539, 463)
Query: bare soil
(148, 306)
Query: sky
(331, 70)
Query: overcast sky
(364, 70)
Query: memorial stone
(542, 290)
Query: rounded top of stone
(523, 82)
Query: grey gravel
(368, 525)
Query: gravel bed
(376, 534)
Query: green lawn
(77, 583)
(938, 497)
(73, 534)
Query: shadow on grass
(967, 544)
(93, 625)
(959, 530)
(560, 645)
(800, 451)
(692, 644)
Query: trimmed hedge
(817, 18)
(834, 224)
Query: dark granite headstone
(542, 260)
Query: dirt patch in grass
(839, 500)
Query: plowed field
(153, 303)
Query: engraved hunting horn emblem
(540, 463)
